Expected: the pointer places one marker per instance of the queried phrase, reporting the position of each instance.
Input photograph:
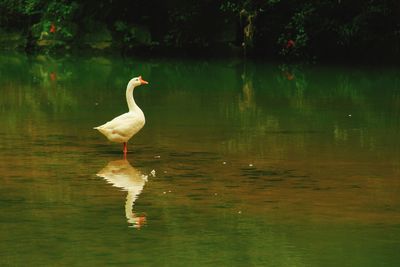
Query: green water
(239, 164)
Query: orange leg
(125, 148)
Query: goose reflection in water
(121, 174)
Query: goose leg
(125, 148)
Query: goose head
(136, 81)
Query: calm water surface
(238, 164)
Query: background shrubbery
(273, 28)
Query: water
(237, 165)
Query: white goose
(123, 127)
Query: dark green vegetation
(291, 29)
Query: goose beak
(142, 81)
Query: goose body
(123, 127)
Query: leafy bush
(288, 28)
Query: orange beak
(142, 81)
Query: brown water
(237, 165)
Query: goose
(122, 128)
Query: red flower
(288, 75)
(290, 43)
(53, 76)
(52, 28)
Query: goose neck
(129, 98)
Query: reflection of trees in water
(31, 90)
(42, 86)
(299, 100)
(246, 101)
(295, 83)
(368, 102)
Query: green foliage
(289, 28)
(32, 7)
(11, 12)
(132, 35)
(230, 6)
(185, 26)
(236, 6)
(61, 15)
(295, 38)
(357, 28)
